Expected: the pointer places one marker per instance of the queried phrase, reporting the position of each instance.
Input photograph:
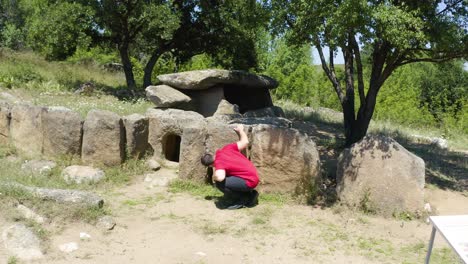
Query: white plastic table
(454, 228)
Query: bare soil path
(156, 226)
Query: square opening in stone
(171, 147)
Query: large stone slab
(287, 160)
(164, 96)
(205, 101)
(4, 123)
(62, 132)
(378, 174)
(203, 79)
(136, 131)
(219, 134)
(191, 150)
(103, 138)
(166, 127)
(21, 242)
(26, 129)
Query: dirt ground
(156, 226)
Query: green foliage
(12, 37)
(58, 29)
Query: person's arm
(219, 175)
(243, 140)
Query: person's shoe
(253, 201)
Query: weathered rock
(226, 108)
(82, 198)
(273, 121)
(153, 164)
(191, 149)
(30, 214)
(22, 242)
(136, 131)
(62, 132)
(218, 135)
(69, 247)
(157, 180)
(272, 111)
(287, 160)
(42, 167)
(9, 98)
(82, 174)
(205, 101)
(106, 223)
(103, 138)
(4, 123)
(165, 130)
(202, 79)
(378, 174)
(26, 129)
(164, 96)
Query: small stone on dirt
(69, 247)
(153, 165)
(106, 223)
(30, 214)
(157, 180)
(42, 167)
(82, 174)
(84, 236)
(22, 242)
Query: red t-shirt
(234, 163)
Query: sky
(316, 58)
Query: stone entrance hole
(171, 147)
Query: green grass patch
(194, 188)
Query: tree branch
(330, 74)
(357, 54)
(449, 7)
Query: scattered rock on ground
(68, 247)
(153, 164)
(157, 180)
(164, 96)
(82, 174)
(59, 195)
(85, 236)
(22, 242)
(30, 214)
(43, 167)
(106, 223)
(377, 174)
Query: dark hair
(207, 159)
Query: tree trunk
(128, 68)
(148, 71)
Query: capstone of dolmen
(166, 126)
(287, 160)
(26, 129)
(103, 138)
(164, 96)
(4, 123)
(378, 174)
(136, 131)
(62, 132)
(203, 79)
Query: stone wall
(105, 138)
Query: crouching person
(234, 174)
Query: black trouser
(235, 188)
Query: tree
(394, 32)
(56, 30)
